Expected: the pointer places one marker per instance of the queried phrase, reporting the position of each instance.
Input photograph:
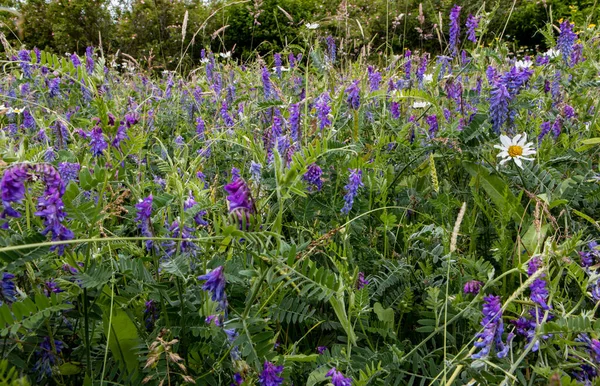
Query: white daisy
(420, 105)
(522, 64)
(516, 148)
(427, 78)
(312, 25)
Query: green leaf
(123, 339)
(497, 190)
(384, 314)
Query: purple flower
(454, 29)
(313, 176)
(25, 62)
(493, 327)
(277, 60)
(499, 100)
(151, 313)
(50, 208)
(577, 54)
(144, 212)
(50, 155)
(337, 378)
(270, 375)
(422, 68)
(295, 122)
(255, 171)
(97, 142)
(354, 183)
(8, 290)
(52, 287)
(321, 349)
(239, 196)
(566, 40)
(331, 48)
(213, 319)
(200, 127)
(69, 171)
(89, 59)
(374, 78)
(267, 87)
(227, 119)
(395, 110)
(215, 284)
(323, 109)
(121, 135)
(28, 120)
(472, 287)
(407, 64)
(53, 87)
(432, 121)
(353, 93)
(361, 282)
(595, 290)
(75, 60)
(472, 24)
(47, 357)
(592, 256)
(237, 379)
(545, 129)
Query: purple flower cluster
(270, 376)
(374, 78)
(432, 121)
(454, 29)
(499, 100)
(353, 93)
(215, 284)
(313, 176)
(151, 313)
(295, 122)
(337, 378)
(331, 48)
(591, 257)
(493, 328)
(588, 372)
(354, 183)
(472, 287)
(472, 24)
(12, 190)
(361, 282)
(566, 40)
(323, 109)
(267, 86)
(8, 289)
(240, 201)
(47, 357)
(144, 212)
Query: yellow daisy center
(515, 151)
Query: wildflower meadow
(314, 216)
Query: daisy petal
(505, 140)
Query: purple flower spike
(97, 142)
(313, 176)
(454, 29)
(12, 189)
(270, 375)
(493, 327)
(361, 282)
(240, 200)
(472, 24)
(215, 283)
(337, 378)
(47, 358)
(323, 109)
(472, 287)
(354, 183)
(144, 212)
(353, 95)
(321, 349)
(8, 290)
